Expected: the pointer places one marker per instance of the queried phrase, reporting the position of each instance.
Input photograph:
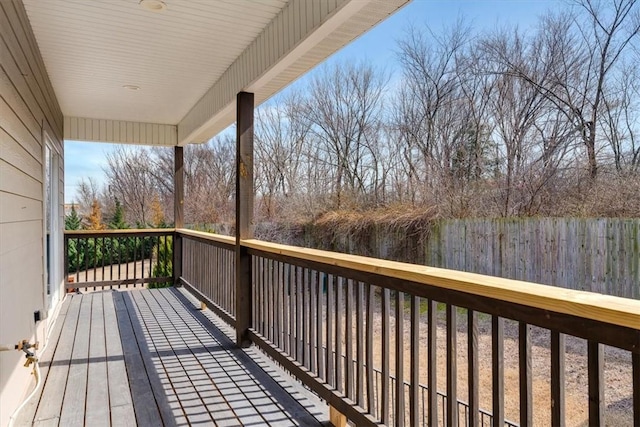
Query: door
(52, 228)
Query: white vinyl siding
(116, 131)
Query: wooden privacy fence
(597, 255)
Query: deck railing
(209, 269)
(117, 258)
(349, 327)
(390, 314)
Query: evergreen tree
(118, 222)
(72, 221)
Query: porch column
(178, 211)
(244, 214)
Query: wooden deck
(151, 358)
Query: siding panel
(27, 104)
(116, 131)
(20, 157)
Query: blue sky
(83, 160)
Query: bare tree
(130, 179)
(87, 192)
(344, 108)
(281, 133)
(582, 50)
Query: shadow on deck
(150, 357)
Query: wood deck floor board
(97, 405)
(198, 379)
(138, 381)
(120, 401)
(227, 373)
(151, 358)
(49, 408)
(242, 370)
(154, 371)
(73, 404)
(190, 401)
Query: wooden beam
(244, 214)
(178, 211)
(178, 187)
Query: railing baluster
(635, 373)
(557, 378)
(432, 367)
(452, 368)
(292, 273)
(285, 308)
(282, 305)
(128, 246)
(319, 325)
(360, 344)
(472, 367)
(497, 359)
(95, 259)
(120, 246)
(135, 261)
(166, 252)
(524, 356)
(272, 305)
(86, 260)
(78, 260)
(279, 305)
(385, 357)
(313, 338)
(102, 259)
(595, 369)
(299, 302)
(349, 340)
(111, 247)
(306, 344)
(371, 400)
(330, 306)
(399, 412)
(414, 402)
(143, 255)
(265, 298)
(276, 303)
(339, 334)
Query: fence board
(597, 255)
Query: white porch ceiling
(188, 60)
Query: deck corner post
(244, 214)
(178, 209)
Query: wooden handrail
(208, 236)
(604, 308)
(110, 231)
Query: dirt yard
(618, 370)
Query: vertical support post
(178, 212)
(336, 418)
(244, 214)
